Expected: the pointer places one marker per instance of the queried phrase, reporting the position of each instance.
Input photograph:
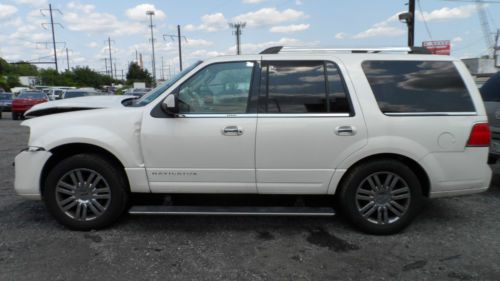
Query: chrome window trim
(218, 115)
(263, 115)
(430, 113)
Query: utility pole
(151, 14)
(53, 33)
(67, 58)
(238, 27)
(179, 38)
(496, 49)
(110, 58)
(162, 73)
(180, 45)
(106, 65)
(411, 24)
(409, 19)
(115, 71)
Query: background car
(490, 92)
(77, 93)
(6, 101)
(25, 101)
(137, 92)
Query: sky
(83, 27)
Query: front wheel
(381, 197)
(85, 192)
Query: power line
(425, 21)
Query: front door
(210, 146)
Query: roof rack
(289, 50)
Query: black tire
(355, 200)
(83, 165)
(15, 116)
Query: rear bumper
(28, 169)
(458, 173)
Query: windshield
(156, 92)
(32, 95)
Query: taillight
(480, 135)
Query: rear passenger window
(304, 87)
(418, 86)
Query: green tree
(13, 81)
(137, 74)
(4, 67)
(22, 68)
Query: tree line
(80, 76)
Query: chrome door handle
(232, 131)
(345, 131)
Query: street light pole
(151, 14)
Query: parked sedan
(25, 101)
(6, 101)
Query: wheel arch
(412, 164)
(67, 150)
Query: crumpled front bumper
(28, 169)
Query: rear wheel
(381, 197)
(85, 192)
(15, 116)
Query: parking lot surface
(452, 239)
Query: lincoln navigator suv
(370, 133)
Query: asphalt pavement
(452, 239)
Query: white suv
(371, 132)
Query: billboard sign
(441, 47)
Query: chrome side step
(231, 211)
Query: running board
(231, 211)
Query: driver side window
(218, 88)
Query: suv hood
(74, 104)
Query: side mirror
(169, 105)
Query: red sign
(442, 47)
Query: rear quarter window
(418, 87)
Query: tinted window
(217, 88)
(304, 87)
(337, 93)
(417, 86)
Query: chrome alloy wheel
(83, 194)
(383, 198)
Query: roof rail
(284, 50)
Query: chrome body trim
(264, 115)
(431, 113)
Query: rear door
(308, 122)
